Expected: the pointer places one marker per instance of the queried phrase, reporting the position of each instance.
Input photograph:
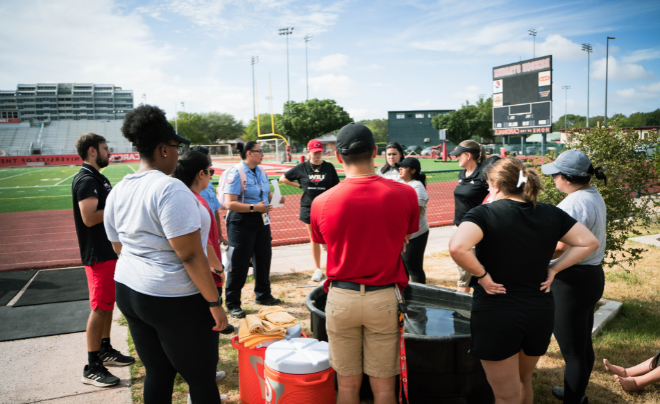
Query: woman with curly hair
(164, 286)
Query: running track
(47, 239)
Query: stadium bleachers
(60, 137)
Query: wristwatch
(215, 304)
(251, 208)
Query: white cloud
(641, 93)
(332, 85)
(642, 54)
(330, 62)
(359, 114)
(618, 71)
(470, 93)
(423, 104)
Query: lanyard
(261, 190)
(403, 376)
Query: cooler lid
(298, 356)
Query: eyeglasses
(179, 147)
(257, 151)
(212, 171)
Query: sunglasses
(179, 147)
(257, 151)
(212, 171)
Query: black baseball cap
(355, 138)
(410, 162)
(461, 149)
(170, 134)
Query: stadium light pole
(176, 119)
(307, 38)
(255, 60)
(144, 99)
(607, 62)
(565, 104)
(286, 32)
(183, 108)
(532, 32)
(587, 48)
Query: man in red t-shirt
(365, 221)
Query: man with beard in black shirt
(90, 189)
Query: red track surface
(47, 239)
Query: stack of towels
(267, 325)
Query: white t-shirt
(143, 212)
(423, 198)
(392, 174)
(588, 207)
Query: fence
(286, 229)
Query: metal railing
(287, 229)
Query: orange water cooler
(298, 371)
(251, 384)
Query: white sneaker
(223, 397)
(220, 375)
(318, 275)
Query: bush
(632, 179)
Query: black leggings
(172, 335)
(413, 258)
(577, 290)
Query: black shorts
(500, 334)
(305, 213)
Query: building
(47, 102)
(413, 128)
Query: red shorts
(101, 284)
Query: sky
(369, 56)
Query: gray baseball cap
(571, 162)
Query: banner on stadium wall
(62, 159)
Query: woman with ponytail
(513, 307)
(578, 289)
(470, 191)
(410, 172)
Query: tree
(190, 125)
(652, 118)
(265, 126)
(304, 121)
(221, 126)
(575, 121)
(469, 120)
(627, 172)
(378, 127)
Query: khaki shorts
(363, 332)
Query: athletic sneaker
(223, 397)
(114, 358)
(271, 301)
(236, 313)
(98, 375)
(558, 392)
(318, 275)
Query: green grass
(46, 188)
(49, 188)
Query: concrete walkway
(48, 369)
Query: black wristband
(479, 277)
(216, 303)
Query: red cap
(314, 146)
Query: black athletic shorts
(305, 213)
(500, 334)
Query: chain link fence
(287, 229)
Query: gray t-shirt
(423, 198)
(143, 212)
(588, 207)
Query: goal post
(219, 150)
(274, 149)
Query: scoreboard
(522, 97)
